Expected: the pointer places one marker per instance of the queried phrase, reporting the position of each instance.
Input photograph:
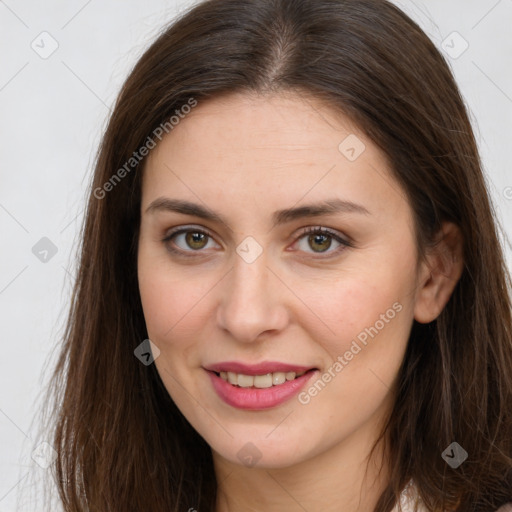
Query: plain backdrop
(53, 111)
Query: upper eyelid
(301, 231)
(183, 229)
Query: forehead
(283, 121)
(283, 146)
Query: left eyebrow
(328, 207)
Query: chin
(263, 453)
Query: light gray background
(53, 111)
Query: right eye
(188, 240)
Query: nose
(252, 301)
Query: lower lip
(256, 398)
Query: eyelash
(306, 231)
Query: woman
(291, 293)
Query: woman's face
(242, 179)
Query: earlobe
(439, 274)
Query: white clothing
(409, 496)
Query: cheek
(365, 316)
(354, 305)
(171, 297)
(371, 321)
(159, 303)
(170, 306)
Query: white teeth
(259, 381)
(278, 378)
(245, 381)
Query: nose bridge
(250, 303)
(250, 280)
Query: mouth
(262, 381)
(258, 387)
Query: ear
(439, 273)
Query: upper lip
(256, 369)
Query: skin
(244, 157)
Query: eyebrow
(327, 207)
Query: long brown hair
(122, 444)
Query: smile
(258, 392)
(259, 381)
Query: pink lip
(255, 398)
(256, 369)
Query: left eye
(320, 240)
(193, 240)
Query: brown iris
(196, 240)
(323, 241)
